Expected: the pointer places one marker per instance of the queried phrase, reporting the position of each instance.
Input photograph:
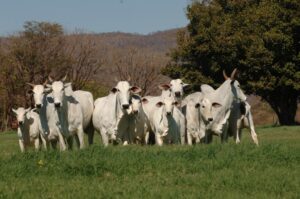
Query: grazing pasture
(271, 170)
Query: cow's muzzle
(125, 106)
(38, 106)
(177, 94)
(57, 105)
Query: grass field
(271, 170)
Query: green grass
(271, 170)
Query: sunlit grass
(271, 170)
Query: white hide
(198, 112)
(69, 112)
(138, 121)
(110, 116)
(29, 130)
(167, 122)
(51, 127)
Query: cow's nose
(125, 106)
(135, 112)
(210, 119)
(168, 113)
(38, 105)
(57, 105)
(20, 123)
(177, 94)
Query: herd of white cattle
(123, 117)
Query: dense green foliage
(204, 171)
(259, 37)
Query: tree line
(259, 37)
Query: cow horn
(30, 84)
(64, 78)
(128, 78)
(50, 79)
(45, 83)
(225, 76)
(233, 74)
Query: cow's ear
(145, 100)
(47, 90)
(66, 85)
(48, 85)
(27, 110)
(114, 90)
(29, 92)
(185, 85)
(164, 87)
(197, 105)
(14, 110)
(135, 89)
(159, 104)
(216, 105)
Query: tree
(139, 67)
(39, 50)
(259, 37)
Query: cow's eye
(203, 106)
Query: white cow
(86, 102)
(198, 112)
(69, 112)
(240, 118)
(29, 130)
(138, 121)
(225, 95)
(174, 89)
(51, 128)
(110, 116)
(167, 122)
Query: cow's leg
(224, 135)
(45, 143)
(37, 144)
(197, 139)
(208, 137)
(70, 142)
(62, 143)
(189, 139)
(90, 130)
(104, 136)
(146, 138)
(22, 147)
(252, 129)
(80, 134)
(158, 139)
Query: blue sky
(135, 16)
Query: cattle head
(235, 86)
(58, 90)
(205, 108)
(39, 92)
(21, 114)
(168, 104)
(124, 91)
(136, 103)
(165, 90)
(177, 86)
